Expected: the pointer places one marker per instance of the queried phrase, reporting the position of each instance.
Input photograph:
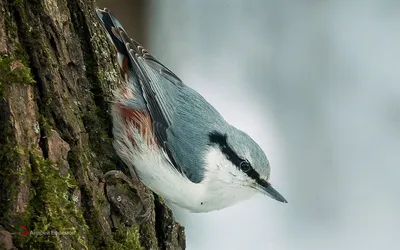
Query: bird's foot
(132, 201)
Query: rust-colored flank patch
(138, 119)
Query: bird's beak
(271, 192)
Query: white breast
(221, 187)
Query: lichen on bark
(56, 77)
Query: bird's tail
(111, 24)
(131, 91)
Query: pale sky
(317, 84)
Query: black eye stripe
(221, 140)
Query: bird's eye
(245, 166)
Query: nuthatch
(174, 140)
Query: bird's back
(180, 117)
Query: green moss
(125, 238)
(100, 141)
(52, 209)
(16, 6)
(45, 124)
(148, 236)
(9, 157)
(10, 25)
(92, 214)
(13, 71)
(8, 152)
(18, 3)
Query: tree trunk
(56, 77)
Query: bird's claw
(145, 213)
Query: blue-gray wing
(181, 117)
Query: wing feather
(160, 87)
(181, 118)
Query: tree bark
(56, 76)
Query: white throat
(225, 183)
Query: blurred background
(317, 85)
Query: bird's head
(239, 161)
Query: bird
(173, 140)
